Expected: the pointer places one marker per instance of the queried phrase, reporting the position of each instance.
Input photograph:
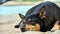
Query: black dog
(41, 17)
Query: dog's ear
(42, 13)
(21, 16)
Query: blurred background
(20, 6)
(9, 10)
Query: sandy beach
(7, 23)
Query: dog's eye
(29, 19)
(23, 20)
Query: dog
(42, 17)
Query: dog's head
(33, 22)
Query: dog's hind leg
(57, 25)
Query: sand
(7, 23)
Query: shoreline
(12, 3)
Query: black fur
(52, 15)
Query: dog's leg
(57, 26)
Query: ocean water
(14, 9)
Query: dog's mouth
(30, 27)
